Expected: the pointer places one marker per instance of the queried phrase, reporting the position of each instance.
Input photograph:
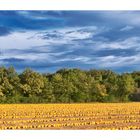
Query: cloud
(128, 43)
(28, 20)
(40, 50)
(121, 18)
(49, 40)
(63, 55)
(69, 32)
(40, 15)
(4, 31)
(18, 40)
(127, 28)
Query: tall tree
(126, 86)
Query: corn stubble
(100, 116)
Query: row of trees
(67, 86)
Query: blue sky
(50, 40)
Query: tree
(47, 93)
(126, 86)
(32, 83)
(66, 86)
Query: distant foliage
(68, 86)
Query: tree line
(68, 86)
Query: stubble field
(100, 116)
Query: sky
(47, 41)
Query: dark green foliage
(67, 86)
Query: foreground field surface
(99, 116)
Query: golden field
(105, 116)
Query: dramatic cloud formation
(49, 40)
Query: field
(106, 116)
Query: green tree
(32, 83)
(126, 86)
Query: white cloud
(117, 61)
(131, 42)
(82, 59)
(29, 39)
(113, 61)
(127, 17)
(18, 40)
(46, 43)
(127, 28)
(36, 16)
(67, 34)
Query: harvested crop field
(106, 116)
